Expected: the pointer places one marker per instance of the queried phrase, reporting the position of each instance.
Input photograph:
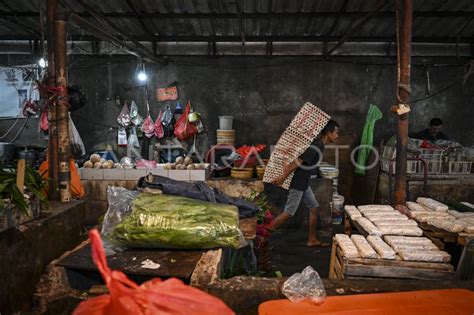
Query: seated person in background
(433, 133)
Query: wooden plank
(332, 274)
(338, 269)
(402, 263)
(172, 263)
(347, 224)
(397, 272)
(20, 175)
(207, 269)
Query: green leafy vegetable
(165, 221)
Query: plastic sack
(159, 132)
(43, 121)
(167, 121)
(122, 137)
(75, 141)
(164, 221)
(137, 120)
(246, 150)
(183, 129)
(133, 139)
(148, 127)
(124, 118)
(305, 286)
(171, 296)
(143, 164)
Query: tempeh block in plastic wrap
(469, 229)
(450, 226)
(369, 227)
(405, 223)
(379, 212)
(389, 217)
(432, 204)
(365, 250)
(428, 256)
(397, 230)
(413, 206)
(352, 212)
(375, 207)
(424, 217)
(414, 247)
(348, 248)
(382, 248)
(392, 239)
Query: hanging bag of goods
(148, 127)
(159, 132)
(297, 137)
(183, 129)
(124, 118)
(167, 121)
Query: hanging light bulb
(142, 74)
(42, 62)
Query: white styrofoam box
(92, 173)
(197, 175)
(179, 174)
(133, 174)
(158, 171)
(79, 171)
(114, 174)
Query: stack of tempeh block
(430, 211)
(406, 248)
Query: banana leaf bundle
(167, 221)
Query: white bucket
(337, 209)
(225, 122)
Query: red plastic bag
(183, 129)
(43, 121)
(152, 297)
(148, 127)
(246, 150)
(159, 132)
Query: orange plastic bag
(77, 189)
(152, 297)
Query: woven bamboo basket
(241, 173)
(226, 137)
(260, 171)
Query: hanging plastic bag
(125, 297)
(167, 121)
(75, 141)
(133, 139)
(137, 120)
(159, 133)
(43, 121)
(122, 137)
(305, 286)
(148, 127)
(124, 118)
(183, 129)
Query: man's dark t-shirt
(310, 158)
(425, 134)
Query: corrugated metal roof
(335, 18)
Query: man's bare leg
(313, 221)
(280, 219)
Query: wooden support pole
(62, 104)
(403, 92)
(53, 165)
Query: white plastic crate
(389, 152)
(434, 166)
(459, 167)
(412, 166)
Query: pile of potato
(96, 162)
(184, 163)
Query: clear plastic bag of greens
(146, 220)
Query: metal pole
(53, 165)
(403, 92)
(60, 44)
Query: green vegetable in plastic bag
(166, 221)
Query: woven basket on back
(297, 137)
